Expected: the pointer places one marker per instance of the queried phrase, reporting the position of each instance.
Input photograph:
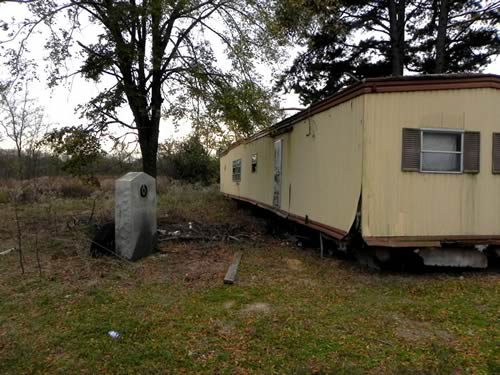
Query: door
(277, 172)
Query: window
(254, 163)
(237, 170)
(441, 151)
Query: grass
(290, 311)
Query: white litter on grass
(190, 226)
(175, 233)
(8, 251)
(113, 334)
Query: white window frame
(256, 162)
(237, 161)
(461, 152)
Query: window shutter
(472, 151)
(496, 153)
(410, 160)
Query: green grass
(327, 316)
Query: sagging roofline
(429, 82)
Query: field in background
(290, 311)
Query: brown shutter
(410, 160)
(496, 153)
(472, 151)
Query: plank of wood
(233, 268)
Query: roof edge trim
(380, 85)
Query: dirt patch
(295, 264)
(195, 264)
(307, 282)
(258, 308)
(410, 330)
(229, 305)
(225, 328)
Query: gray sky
(60, 102)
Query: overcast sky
(60, 102)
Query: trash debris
(113, 334)
(195, 231)
(481, 248)
(230, 277)
(8, 251)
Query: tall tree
(397, 22)
(162, 56)
(455, 36)
(365, 39)
(343, 40)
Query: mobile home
(410, 162)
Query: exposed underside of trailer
(441, 251)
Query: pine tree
(351, 40)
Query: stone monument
(135, 215)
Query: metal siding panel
(322, 167)
(256, 186)
(396, 203)
(325, 165)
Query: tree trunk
(19, 161)
(149, 160)
(397, 35)
(148, 141)
(441, 37)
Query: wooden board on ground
(233, 268)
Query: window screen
(441, 151)
(237, 170)
(254, 163)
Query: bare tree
(23, 122)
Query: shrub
(75, 190)
(189, 161)
(4, 197)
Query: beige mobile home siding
(322, 167)
(325, 167)
(397, 203)
(256, 186)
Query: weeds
(289, 312)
